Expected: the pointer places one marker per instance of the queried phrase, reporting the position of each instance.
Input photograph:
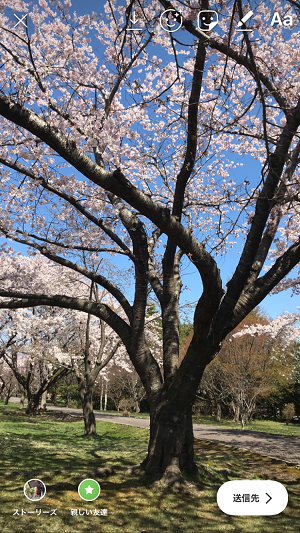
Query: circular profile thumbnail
(34, 490)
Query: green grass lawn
(54, 450)
(268, 426)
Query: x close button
(252, 497)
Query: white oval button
(252, 497)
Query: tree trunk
(7, 397)
(101, 395)
(219, 412)
(86, 387)
(44, 401)
(236, 412)
(171, 445)
(68, 400)
(2, 390)
(33, 403)
(8, 394)
(54, 398)
(105, 397)
(244, 418)
(22, 400)
(252, 411)
(137, 406)
(88, 414)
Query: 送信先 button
(89, 489)
(257, 497)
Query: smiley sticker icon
(207, 20)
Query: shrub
(126, 404)
(288, 412)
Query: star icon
(89, 490)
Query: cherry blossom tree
(249, 368)
(129, 144)
(41, 345)
(256, 361)
(8, 383)
(92, 354)
(33, 375)
(29, 353)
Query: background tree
(67, 387)
(87, 368)
(251, 366)
(33, 345)
(8, 382)
(139, 164)
(33, 374)
(280, 335)
(125, 388)
(116, 379)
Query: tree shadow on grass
(134, 506)
(28, 451)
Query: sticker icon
(89, 489)
(207, 19)
(34, 490)
(170, 20)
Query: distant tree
(117, 378)
(249, 367)
(133, 389)
(8, 382)
(185, 330)
(67, 387)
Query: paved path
(282, 447)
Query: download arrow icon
(134, 19)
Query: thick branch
(274, 221)
(192, 133)
(116, 183)
(100, 310)
(263, 286)
(97, 278)
(152, 276)
(262, 210)
(171, 277)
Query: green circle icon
(89, 490)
